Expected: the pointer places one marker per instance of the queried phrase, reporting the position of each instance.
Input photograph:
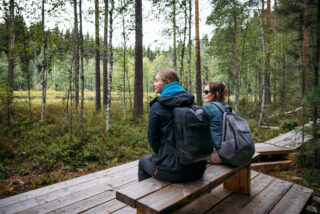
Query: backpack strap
(219, 106)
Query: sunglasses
(206, 92)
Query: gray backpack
(237, 146)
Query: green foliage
(288, 125)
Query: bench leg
(240, 182)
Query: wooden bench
(155, 196)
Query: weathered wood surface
(268, 149)
(272, 165)
(268, 194)
(169, 197)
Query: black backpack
(192, 133)
(237, 146)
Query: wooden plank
(268, 149)
(126, 210)
(109, 184)
(294, 201)
(207, 201)
(240, 182)
(295, 145)
(268, 198)
(178, 195)
(280, 137)
(94, 201)
(132, 193)
(272, 165)
(65, 185)
(235, 202)
(108, 207)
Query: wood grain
(294, 201)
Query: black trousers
(148, 169)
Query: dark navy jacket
(161, 133)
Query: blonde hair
(168, 75)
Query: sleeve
(154, 130)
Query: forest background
(72, 104)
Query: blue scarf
(171, 89)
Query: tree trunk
(275, 53)
(184, 41)
(105, 54)
(189, 47)
(97, 47)
(304, 49)
(284, 66)
(138, 78)
(82, 69)
(129, 90)
(70, 115)
(11, 46)
(315, 85)
(44, 65)
(76, 58)
(111, 66)
(124, 65)
(267, 68)
(237, 88)
(198, 63)
(263, 73)
(174, 34)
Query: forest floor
(34, 154)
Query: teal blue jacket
(215, 116)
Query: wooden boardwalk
(95, 193)
(280, 148)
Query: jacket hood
(176, 100)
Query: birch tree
(44, 63)
(97, 46)
(105, 53)
(76, 57)
(111, 65)
(189, 45)
(81, 68)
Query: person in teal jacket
(215, 92)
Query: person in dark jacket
(164, 163)
(215, 92)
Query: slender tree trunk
(124, 65)
(129, 90)
(304, 60)
(184, 41)
(70, 115)
(44, 65)
(11, 46)
(138, 79)
(267, 67)
(82, 69)
(189, 46)
(105, 54)
(98, 92)
(237, 88)
(198, 63)
(76, 58)
(174, 34)
(284, 66)
(275, 54)
(263, 73)
(315, 85)
(111, 65)
(304, 49)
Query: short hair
(168, 75)
(219, 87)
